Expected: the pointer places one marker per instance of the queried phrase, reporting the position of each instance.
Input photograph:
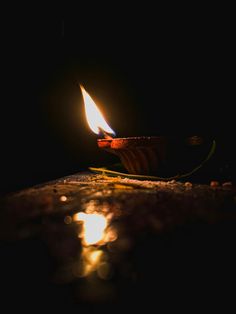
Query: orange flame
(94, 116)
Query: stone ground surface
(156, 241)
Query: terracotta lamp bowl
(139, 155)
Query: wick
(105, 134)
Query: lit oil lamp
(139, 155)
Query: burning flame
(94, 117)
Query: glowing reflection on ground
(95, 233)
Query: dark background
(149, 79)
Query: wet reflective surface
(101, 243)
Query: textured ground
(151, 234)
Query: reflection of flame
(94, 116)
(93, 227)
(95, 231)
(92, 258)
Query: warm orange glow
(94, 257)
(90, 260)
(104, 270)
(94, 116)
(95, 233)
(94, 226)
(63, 198)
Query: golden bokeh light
(94, 226)
(63, 198)
(95, 232)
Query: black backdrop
(148, 81)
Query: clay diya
(139, 155)
(142, 155)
